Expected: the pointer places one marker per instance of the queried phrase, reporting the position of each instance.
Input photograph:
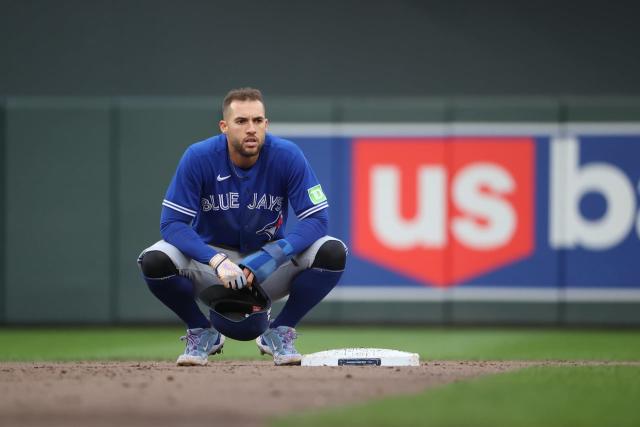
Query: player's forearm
(264, 262)
(182, 236)
(308, 231)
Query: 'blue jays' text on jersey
(243, 209)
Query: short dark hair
(241, 94)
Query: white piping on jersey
(178, 208)
(313, 209)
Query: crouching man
(222, 224)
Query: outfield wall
(456, 211)
(334, 47)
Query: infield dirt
(159, 394)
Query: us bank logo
(443, 211)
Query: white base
(361, 357)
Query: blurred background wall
(99, 99)
(405, 47)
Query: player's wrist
(217, 259)
(268, 259)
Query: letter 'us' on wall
(421, 203)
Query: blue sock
(176, 292)
(307, 290)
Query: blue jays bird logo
(272, 228)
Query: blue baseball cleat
(201, 343)
(278, 342)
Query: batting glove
(228, 272)
(267, 260)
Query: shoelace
(287, 339)
(192, 341)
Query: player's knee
(332, 255)
(156, 264)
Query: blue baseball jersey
(238, 208)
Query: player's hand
(249, 275)
(228, 272)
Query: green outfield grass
(534, 397)
(154, 343)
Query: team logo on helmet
(272, 228)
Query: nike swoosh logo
(222, 178)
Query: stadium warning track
(239, 393)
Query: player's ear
(266, 123)
(223, 126)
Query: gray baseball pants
(202, 275)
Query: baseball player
(222, 224)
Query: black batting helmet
(239, 314)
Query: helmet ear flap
(239, 314)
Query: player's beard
(244, 150)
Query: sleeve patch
(316, 194)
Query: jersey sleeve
(304, 191)
(180, 206)
(183, 194)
